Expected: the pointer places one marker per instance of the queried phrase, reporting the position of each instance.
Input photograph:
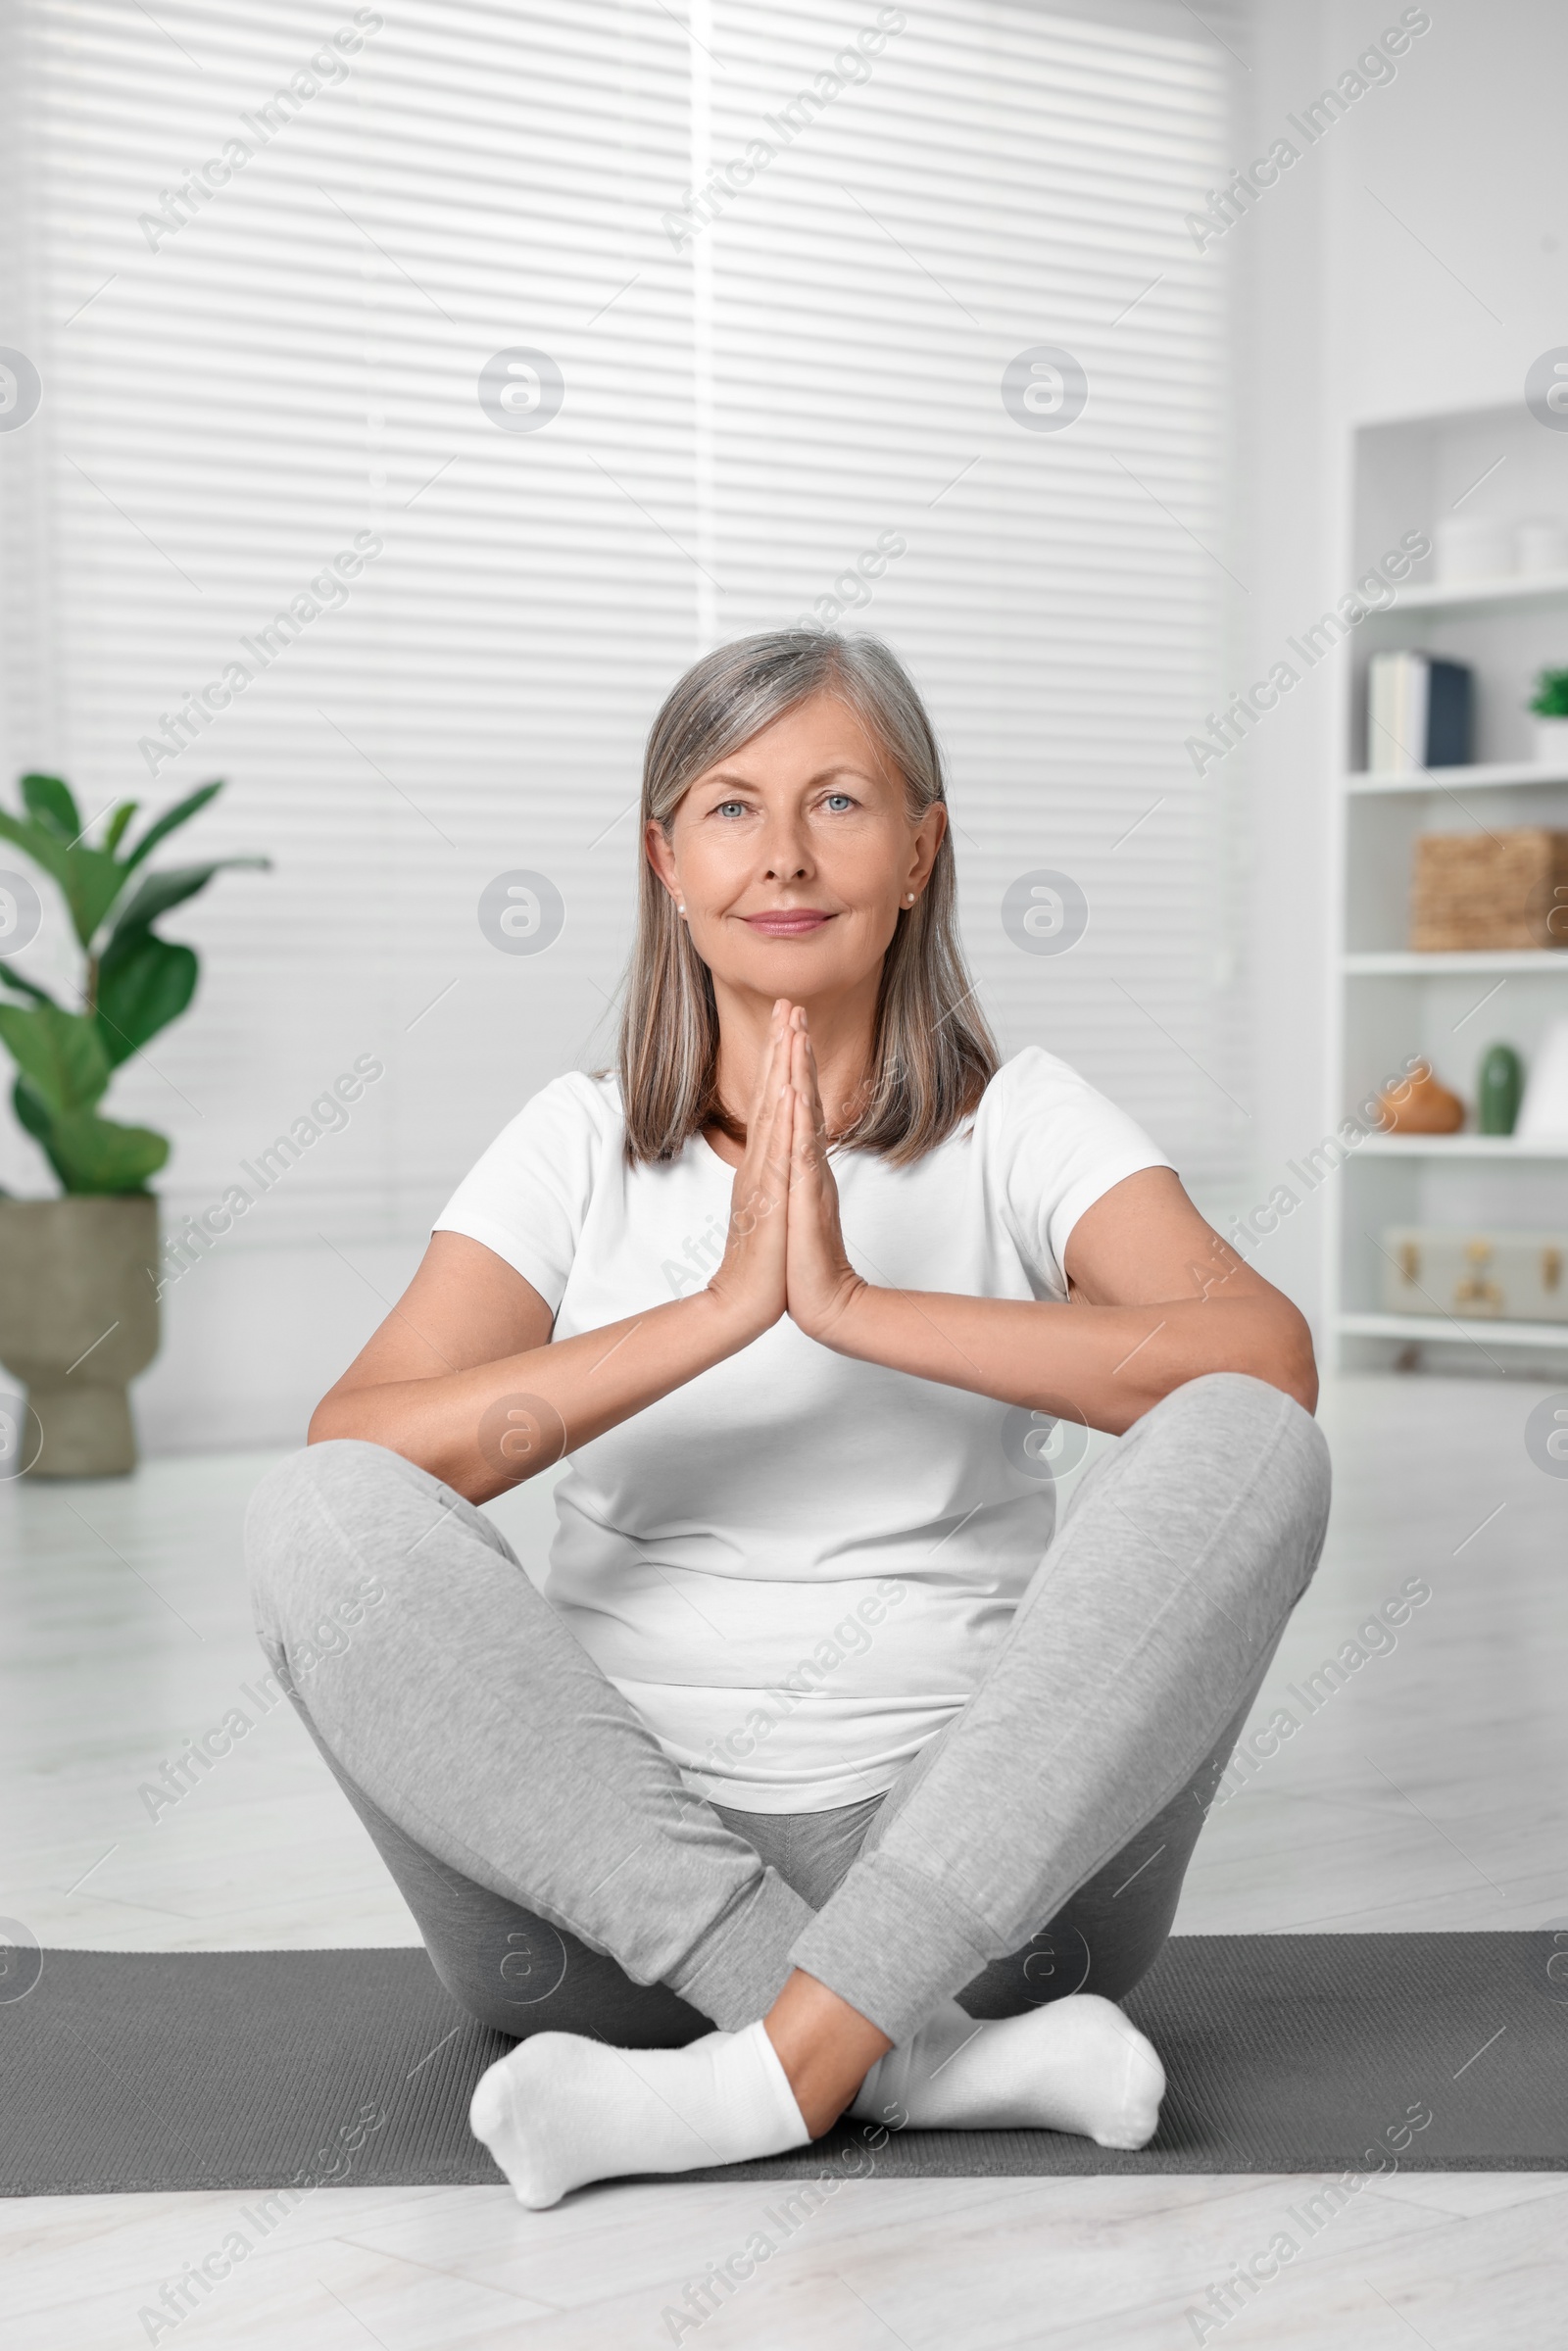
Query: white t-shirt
(797, 1566)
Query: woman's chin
(815, 964)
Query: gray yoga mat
(286, 2070)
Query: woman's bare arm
(464, 1378)
(1156, 1298)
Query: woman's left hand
(822, 1285)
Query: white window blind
(247, 376)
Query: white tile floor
(1428, 1792)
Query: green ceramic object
(1502, 1080)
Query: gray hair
(933, 1054)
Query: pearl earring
(909, 898)
(680, 905)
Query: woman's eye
(837, 801)
(730, 808)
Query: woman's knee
(1240, 1403)
(1296, 1479)
(343, 1478)
(1228, 1429)
(313, 1577)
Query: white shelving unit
(1389, 1001)
(1400, 964)
(1479, 596)
(1461, 1147)
(1451, 1331)
(1455, 782)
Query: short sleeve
(528, 1196)
(1055, 1147)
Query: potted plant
(78, 1302)
(1549, 706)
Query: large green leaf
(166, 889)
(31, 1112)
(14, 979)
(93, 883)
(180, 813)
(34, 1113)
(50, 801)
(89, 1154)
(45, 847)
(91, 878)
(144, 982)
(114, 829)
(60, 1054)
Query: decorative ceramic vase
(1497, 1095)
(1419, 1106)
(79, 1319)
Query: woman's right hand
(467, 1362)
(749, 1282)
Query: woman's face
(794, 856)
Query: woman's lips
(794, 923)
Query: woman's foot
(1074, 2065)
(560, 2110)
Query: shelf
(1405, 963)
(1459, 1147)
(1489, 778)
(1388, 999)
(1478, 595)
(1452, 1329)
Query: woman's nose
(787, 859)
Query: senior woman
(825, 1773)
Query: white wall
(1353, 321)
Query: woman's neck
(841, 1034)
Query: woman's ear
(660, 856)
(928, 838)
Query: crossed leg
(517, 1797)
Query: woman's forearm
(1103, 1365)
(487, 1428)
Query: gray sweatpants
(563, 1877)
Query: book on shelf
(1418, 713)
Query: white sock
(1073, 2065)
(562, 2110)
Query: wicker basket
(1490, 890)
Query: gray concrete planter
(79, 1319)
